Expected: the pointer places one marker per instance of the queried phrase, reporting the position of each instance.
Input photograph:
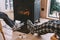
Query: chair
(2, 30)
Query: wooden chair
(2, 30)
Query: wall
(10, 14)
(36, 9)
(8, 11)
(43, 10)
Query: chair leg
(3, 35)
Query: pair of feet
(17, 26)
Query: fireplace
(26, 9)
(23, 10)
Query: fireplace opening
(23, 10)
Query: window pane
(6, 4)
(54, 8)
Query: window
(8, 4)
(11, 4)
(53, 8)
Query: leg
(6, 19)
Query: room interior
(33, 15)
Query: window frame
(48, 11)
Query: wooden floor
(23, 36)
